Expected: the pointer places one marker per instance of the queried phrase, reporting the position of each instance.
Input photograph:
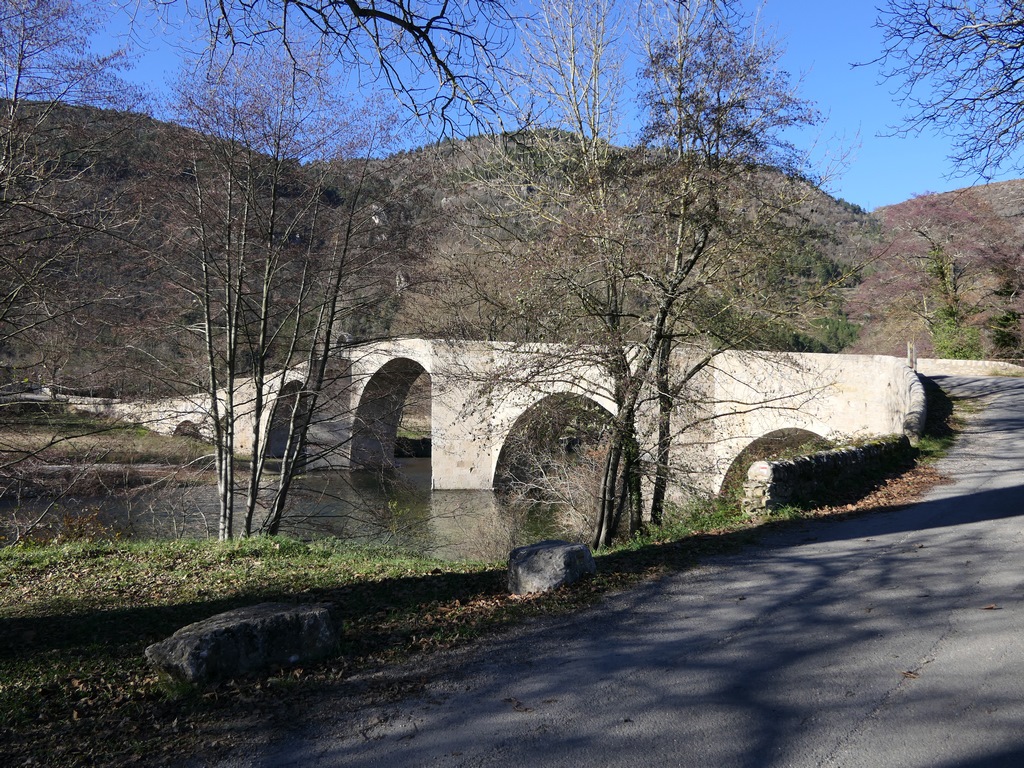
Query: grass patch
(75, 620)
(945, 419)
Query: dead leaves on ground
(894, 492)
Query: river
(394, 508)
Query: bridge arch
(553, 423)
(289, 398)
(382, 402)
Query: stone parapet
(937, 367)
(915, 406)
(773, 484)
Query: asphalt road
(895, 639)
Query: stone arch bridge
(479, 390)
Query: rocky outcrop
(548, 565)
(245, 640)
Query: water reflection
(399, 508)
(395, 508)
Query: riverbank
(50, 433)
(76, 618)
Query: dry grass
(50, 434)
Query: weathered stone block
(245, 640)
(548, 565)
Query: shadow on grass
(96, 632)
(939, 422)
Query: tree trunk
(632, 485)
(604, 530)
(665, 402)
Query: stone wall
(806, 479)
(936, 367)
(912, 403)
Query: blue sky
(822, 41)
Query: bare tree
(282, 243)
(960, 67)
(45, 154)
(57, 214)
(563, 175)
(437, 57)
(628, 255)
(952, 277)
(724, 198)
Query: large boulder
(245, 640)
(548, 565)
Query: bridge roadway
(895, 639)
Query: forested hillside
(115, 297)
(118, 290)
(105, 260)
(947, 273)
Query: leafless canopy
(960, 66)
(435, 55)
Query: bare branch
(959, 68)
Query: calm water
(393, 508)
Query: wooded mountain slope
(112, 310)
(947, 273)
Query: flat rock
(245, 640)
(548, 565)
